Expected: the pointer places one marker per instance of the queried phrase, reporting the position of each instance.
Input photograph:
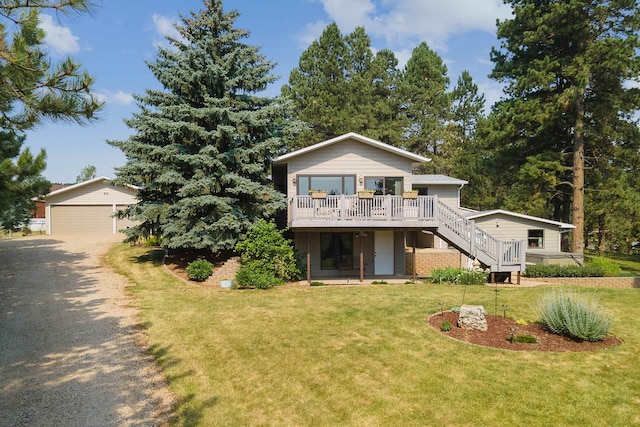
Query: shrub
(264, 242)
(460, 276)
(527, 339)
(445, 326)
(445, 275)
(608, 267)
(471, 277)
(153, 241)
(551, 270)
(573, 315)
(317, 283)
(256, 274)
(199, 270)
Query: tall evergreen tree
(33, 92)
(427, 106)
(202, 150)
(340, 86)
(468, 153)
(566, 65)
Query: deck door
(383, 253)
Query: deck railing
(353, 207)
(451, 225)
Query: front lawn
(364, 356)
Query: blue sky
(115, 41)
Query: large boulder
(472, 317)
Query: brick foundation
(428, 260)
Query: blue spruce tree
(202, 148)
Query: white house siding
(349, 158)
(447, 194)
(507, 227)
(87, 209)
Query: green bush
(460, 276)
(471, 277)
(445, 326)
(445, 275)
(199, 270)
(264, 242)
(153, 241)
(317, 283)
(552, 270)
(256, 274)
(527, 339)
(608, 267)
(573, 315)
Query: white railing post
(472, 238)
(500, 254)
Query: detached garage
(88, 208)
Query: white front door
(383, 253)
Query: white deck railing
(379, 208)
(451, 225)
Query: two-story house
(357, 211)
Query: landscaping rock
(472, 317)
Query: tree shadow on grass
(154, 256)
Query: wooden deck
(423, 212)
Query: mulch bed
(500, 329)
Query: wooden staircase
(496, 255)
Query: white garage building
(88, 208)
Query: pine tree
(467, 151)
(427, 106)
(341, 86)
(33, 92)
(202, 150)
(566, 65)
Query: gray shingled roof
(436, 179)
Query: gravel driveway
(68, 343)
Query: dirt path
(68, 353)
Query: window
(336, 251)
(333, 185)
(384, 185)
(535, 239)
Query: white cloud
(57, 37)
(165, 27)
(311, 32)
(403, 22)
(117, 98)
(492, 93)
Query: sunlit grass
(364, 355)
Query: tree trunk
(602, 236)
(577, 241)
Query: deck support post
(308, 258)
(518, 278)
(413, 261)
(361, 259)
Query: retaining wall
(604, 282)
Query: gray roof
(357, 137)
(436, 179)
(474, 215)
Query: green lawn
(364, 356)
(629, 264)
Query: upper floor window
(535, 239)
(384, 185)
(333, 185)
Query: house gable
(98, 191)
(350, 154)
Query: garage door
(81, 219)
